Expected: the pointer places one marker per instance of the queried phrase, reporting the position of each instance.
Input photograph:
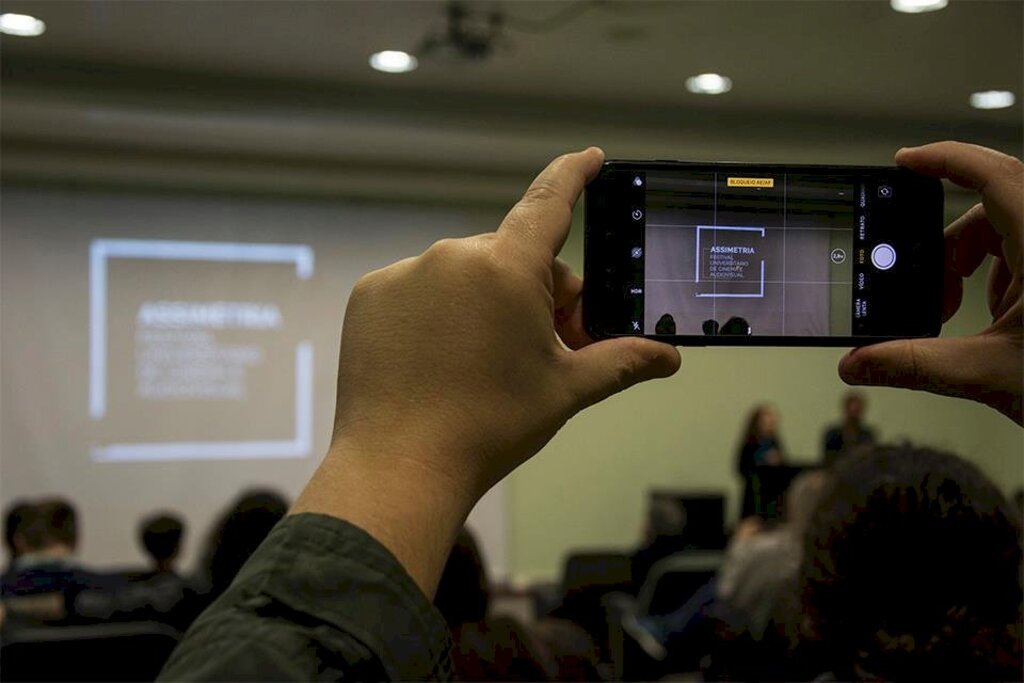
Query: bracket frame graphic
(100, 252)
(696, 276)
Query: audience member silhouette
(14, 541)
(662, 537)
(500, 648)
(912, 571)
(237, 535)
(45, 577)
(666, 325)
(161, 537)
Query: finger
(1003, 288)
(610, 366)
(941, 366)
(985, 368)
(952, 294)
(969, 239)
(543, 216)
(997, 176)
(568, 301)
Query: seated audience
(761, 562)
(851, 432)
(157, 594)
(342, 587)
(662, 536)
(912, 571)
(493, 648)
(14, 540)
(761, 447)
(236, 536)
(161, 538)
(757, 574)
(45, 578)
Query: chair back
(675, 579)
(99, 652)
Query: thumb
(941, 366)
(613, 365)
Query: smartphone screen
(762, 254)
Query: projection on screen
(191, 352)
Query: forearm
(319, 600)
(412, 510)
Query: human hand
(451, 373)
(454, 352)
(986, 366)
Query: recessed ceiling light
(709, 84)
(21, 25)
(992, 99)
(917, 6)
(393, 61)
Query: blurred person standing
(760, 447)
(850, 433)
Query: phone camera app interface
(749, 253)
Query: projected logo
(730, 262)
(193, 352)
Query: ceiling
(277, 96)
(820, 57)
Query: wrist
(411, 507)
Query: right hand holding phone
(988, 366)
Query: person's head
(803, 497)
(763, 423)
(17, 515)
(854, 406)
(911, 570)
(239, 532)
(48, 526)
(463, 593)
(161, 536)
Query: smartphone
(762, 254)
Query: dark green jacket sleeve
(319, 600)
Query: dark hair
(161, 536)
(18, 513)
(240, 531)
(750, 432)
(911, 570)
(49, 522)
(462, 594)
